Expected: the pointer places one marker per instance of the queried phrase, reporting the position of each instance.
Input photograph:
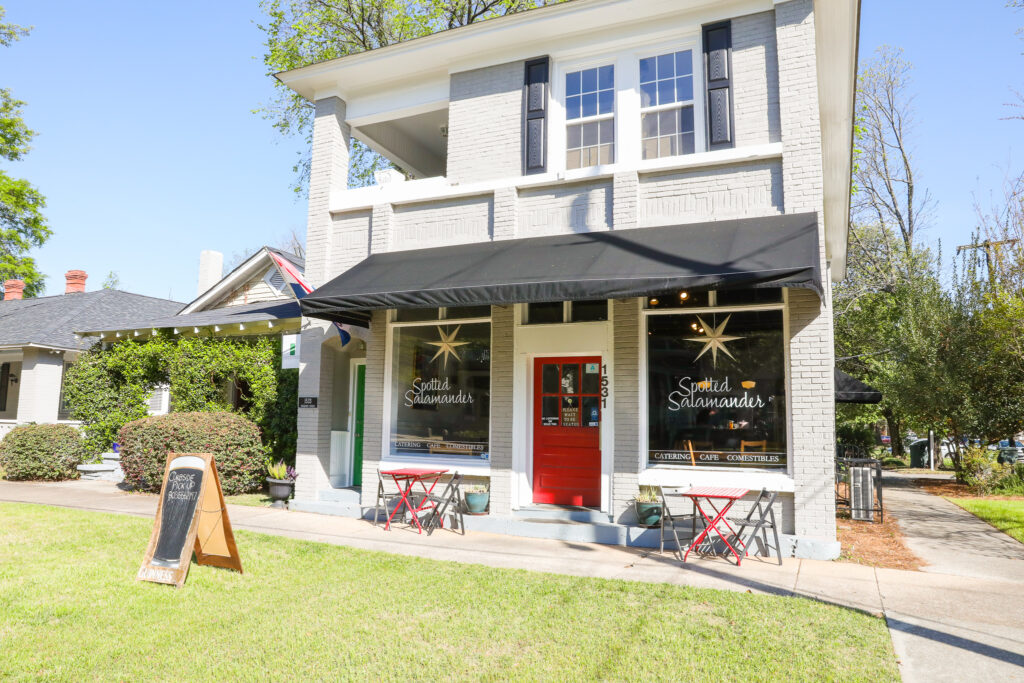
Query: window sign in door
(570, 395)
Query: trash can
(919, 454)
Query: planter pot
(280, 491)
(476, 503)
(648, 514)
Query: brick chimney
(13, 289)
(75, 281)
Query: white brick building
(673, 178)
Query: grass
(71, 609)
(1005, 515)
(256, 500)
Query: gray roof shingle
(53, 320)
(230, 315)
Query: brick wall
(329, 170)
(436, 224)
(485, 113)
(502, 365)
(350, 240)
(627, 318)
(755, 79)
(735, 191)
(581, 207)
(811, 354)
(373, 415)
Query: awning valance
(852, 390)
(754, 252)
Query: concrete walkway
(944, 627)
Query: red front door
(567, 431)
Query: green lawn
(1005, 515)
(256, 500)
(71, 609)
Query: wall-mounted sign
(307, 401)
(190, 517)
(289, 352)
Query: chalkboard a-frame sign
(191, 516)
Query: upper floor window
(590, 117)
(666, 105)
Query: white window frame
(626, 60)
(466, 464)
(699, 133)
(643, 462)
(558, 134)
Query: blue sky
(148, 151)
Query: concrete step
(564, 513)
(346, 495)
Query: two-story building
(609, 265)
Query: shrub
(50, 452)
(977, 466)
(233, 440)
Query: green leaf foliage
(109, 387)
(302, 32)
(233, 440)
(22, 224)
(42, 452)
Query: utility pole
(991, 253)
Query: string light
(683, 296)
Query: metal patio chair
(761, 517)
(386, 500)
(674, 520)
(448, 502)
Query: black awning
(753, 252)
(852, 390)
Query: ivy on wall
(109, 387)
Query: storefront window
(440, 390)
(716, 389)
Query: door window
(570, 395)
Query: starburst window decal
(446, 347)
(714, 339)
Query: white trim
(468, 465)
(557, 341)
(430, 189)
(772, 476)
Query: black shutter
(535, 108)
(718, 74)
(5, 379)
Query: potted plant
(477, 497)
(648, 506)
(281, 482)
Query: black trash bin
(919, 454)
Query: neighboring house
(610, 267)
(254, 299)
(38, 342)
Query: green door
(357, 443)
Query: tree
(301, 32)
(22, 224)
(113, 280)
(886, 191)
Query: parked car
(1005, 443)
(1010, 456)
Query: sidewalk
(944, 627)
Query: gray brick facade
(774, 168)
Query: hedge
(234, 441)
(47, 452)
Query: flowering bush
(233, 440)
(51, 452)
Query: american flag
(301, 288)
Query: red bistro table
(709, 494)
(405, 478)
